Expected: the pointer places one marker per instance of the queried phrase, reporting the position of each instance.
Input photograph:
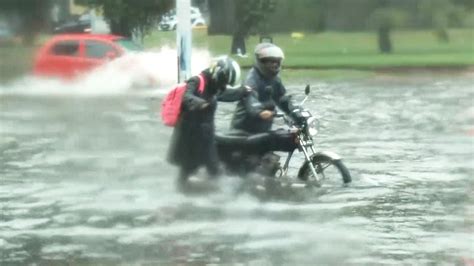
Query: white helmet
(225, 71)
(268, 59)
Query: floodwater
(84, 181)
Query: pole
(93, 18)
(183, 39)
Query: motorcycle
(243, 154)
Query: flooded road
(84, 181)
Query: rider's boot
(183, 177)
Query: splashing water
(84, 180)
(152, 72)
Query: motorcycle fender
(334, 156)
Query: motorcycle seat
(242, 139)
(279, 140)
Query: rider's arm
(252, 106)
(191, 100)
(284, 101)
(233, 94)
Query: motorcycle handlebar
(277, 114)
(289, 119)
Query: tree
(384, 19)
(467, 4)
(130, 16)
(32, 14)
(298, 15)
(436, 11)
(443, 13)
(251, 18)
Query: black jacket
(192, 143)
(266, 94)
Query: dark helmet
(225, 71)
(268, 59)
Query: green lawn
(315, 55)
(348, 50)
(15, 60)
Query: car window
(97, 49)
(70, 48)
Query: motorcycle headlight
(313, 126)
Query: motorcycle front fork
(284, 169)
(308, 159)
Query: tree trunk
(442, 34)
(121, 27)
(385, 43)
(238, 44)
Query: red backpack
(171, 104)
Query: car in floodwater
(69, 55)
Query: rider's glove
(246, 90)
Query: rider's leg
(213, 168)
(212, 164)
(184, 173)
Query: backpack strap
(202, 84)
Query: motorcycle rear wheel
(326, 168)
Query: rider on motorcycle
(254, 113)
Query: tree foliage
(130, 16)
(384, 18)
(388, 17)
(32, 15)
(298, 15)
(251, 18)
(442, 14)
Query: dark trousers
(212, 168)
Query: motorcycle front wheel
(326, 168)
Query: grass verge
(335, 50)
(329, 55)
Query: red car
(67, 55)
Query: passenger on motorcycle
(192, 143)
(254, 113)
